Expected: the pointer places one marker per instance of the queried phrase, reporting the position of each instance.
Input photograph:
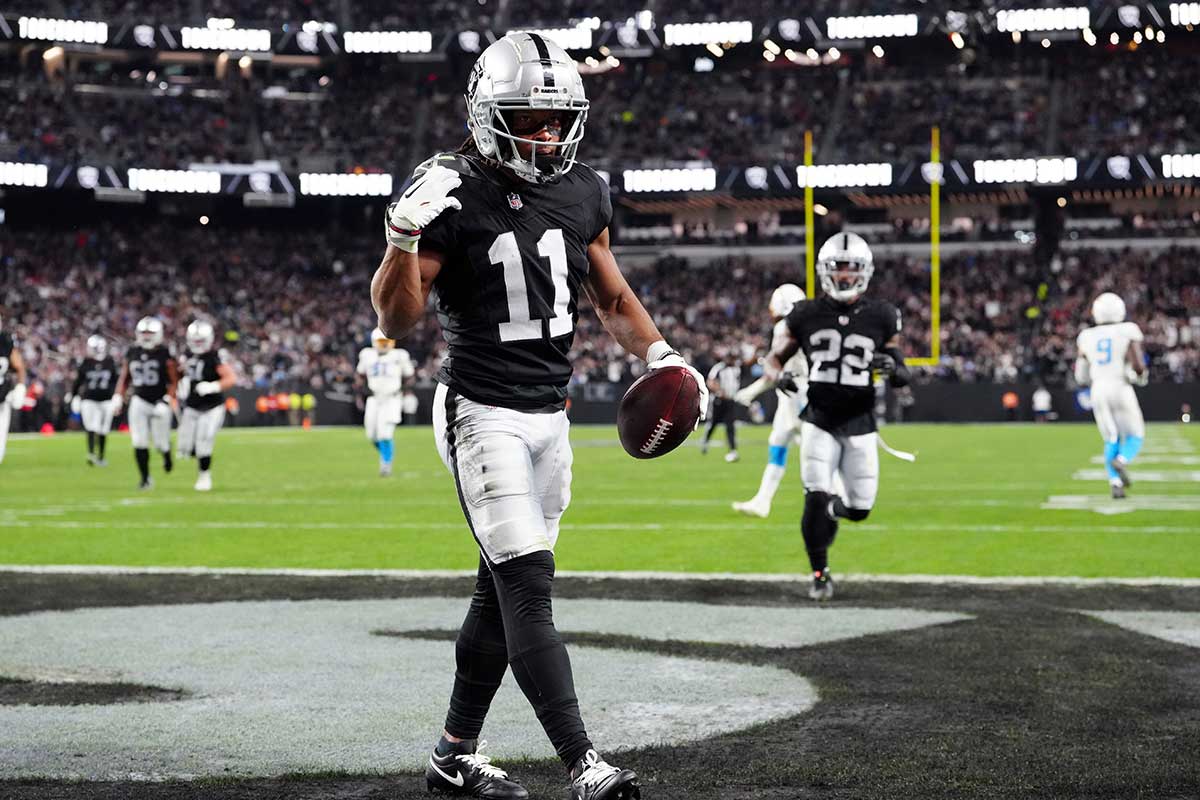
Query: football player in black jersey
(207, 378)
(12, 383)
(152, 372)
(91, 397)
(506, 257)
(845, 336)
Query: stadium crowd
(295, 310)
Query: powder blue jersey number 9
(1105, 348)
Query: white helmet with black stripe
(200, 336)
(97, 347)
(149, 332)
(526, 72)
(845, 266)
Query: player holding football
(152, 372)
(385, 367)
(844, 336)
(12, 391)
(208, 377)
(507, 256)
(1110, 359)
(91, 397)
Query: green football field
(986, 500)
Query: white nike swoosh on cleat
(457, 780)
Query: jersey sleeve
(78, 378)
(604, 210)
(361, 369)
(795, 319)
(715, 371)
(1133, 332)
(893, 324)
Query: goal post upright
(935, 254)
(810, 282)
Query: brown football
(658, 412)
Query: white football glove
(117, 403)
(76, 404)
(16, 396)
(205, 388)
(660, 355)
(184, 388)
(1136, 379)
(425, 199)
(745, 396)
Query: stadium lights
(1162, 37)
(184, 181)
(1045, 42)
(1137, 37)
(768, 55)
(701, 179)
(577, 38)
(1185, 13)
(1026, 170)
(334, 184)
(1115, 38)
(237, 39)
(52, 53)
(1089, 37)
(774, 48)
(62, 30)
(703, 64)
(17, 174)
(872, 27)
(708, 32)
(1044, 19)
(387, 41)
(844, 175)
(878, 51)
(957, 39)
(715, 49)
(1181, 165)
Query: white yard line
(86, 569)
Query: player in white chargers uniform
(786, 424)
(12, 383)
(385, 367)
(1110, 356)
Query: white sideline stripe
(747, 577)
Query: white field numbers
(521, 326)
(144, 373)
(854, 352)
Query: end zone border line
(740, 577)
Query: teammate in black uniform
(12, 383)
(91, 397)
(525, 231)
(844, 336)
(207, 377)
(151, 371)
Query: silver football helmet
(381, 342)
(200, 336)
(845, 266)
(526, 72)
(783, 299)
(149, 332)
(1108, 308)
(97, 347)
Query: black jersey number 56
(521, 326)
(845, 361)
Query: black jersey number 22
(521, 326)
(852, 354)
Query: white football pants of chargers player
(198, 430)
(824, 456)
(5, 420)
(97, 416)
(513, 471)
(149, 423)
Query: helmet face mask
(524, 72)
(149, 332)
(845, 266)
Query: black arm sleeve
(78, 380)
(900, 375)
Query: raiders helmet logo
(514, 201)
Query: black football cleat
(470, 775)
(1118, 491)
(168, 464)
(1119, 466)
(597, 780)
(822, 586)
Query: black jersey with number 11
(839, 340)
(515, 258)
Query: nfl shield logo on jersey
(514, 201)
(843, 320)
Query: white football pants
(198, 429)
(512, 468)
(97, 416)
(381, 417)
(1117, 412)
(5, 418)
(856, 458)
(150, 422)
(786, 422)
